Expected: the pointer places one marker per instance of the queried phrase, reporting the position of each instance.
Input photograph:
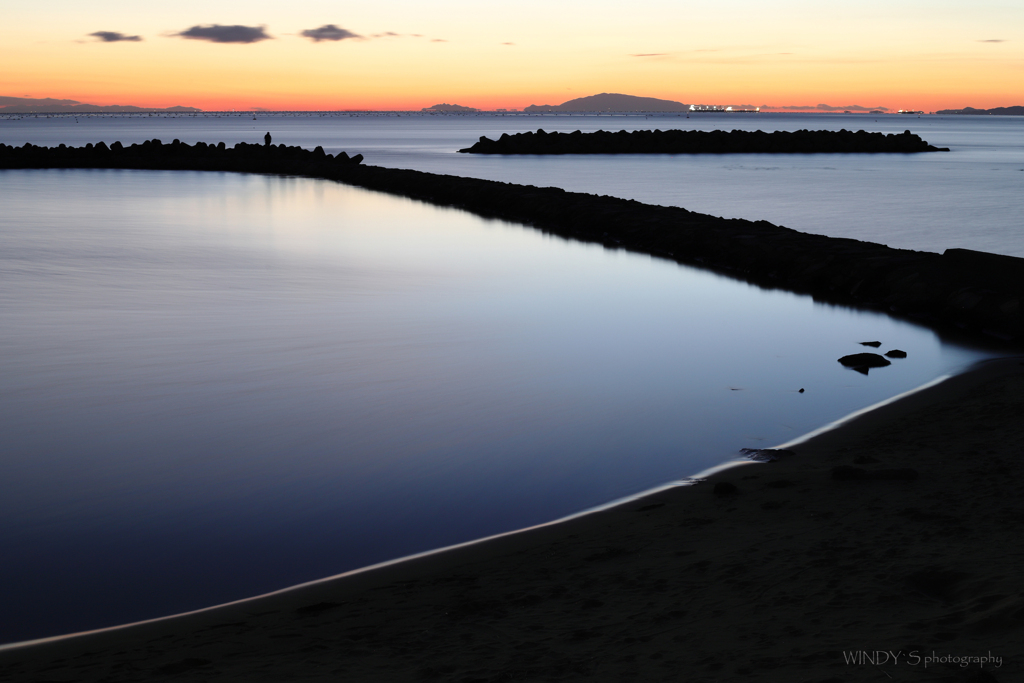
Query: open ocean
(217, 385)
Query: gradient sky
(907, 54)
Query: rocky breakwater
(155, 155)
(703, 142)
(973, 292)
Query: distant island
(971, 111)
(703, 142)
(610, 102)
(449, 107)
(49, 105)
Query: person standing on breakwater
(266, 139)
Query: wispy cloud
(993, 40)
(216, 33)
(115, 37)
(650, 54)
(508, 43)
(328, 32)
(392, 34)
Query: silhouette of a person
(266, 139)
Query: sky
(406, 54)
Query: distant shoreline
(961, 292)
(539, 113)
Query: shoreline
(694, 479)
(774, 580)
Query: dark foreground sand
(774, 582)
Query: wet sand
(775, 581)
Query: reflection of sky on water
(971, 197)
(218, 385)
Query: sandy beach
(893, 539)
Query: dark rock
(801, 390)
(862, 362)
(896, 353)
(724, 488)
(874, 344)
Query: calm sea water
(971, 197)
(215, 385)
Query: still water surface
(971, 197)
(215, 385)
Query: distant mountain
(611, 102)
(449, 107)
(998, 111)
(49, 105)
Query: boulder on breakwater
(704, 142)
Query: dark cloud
(215, 33)
(115, 37)
(993, 40)
(328, 32)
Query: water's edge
(689, 481)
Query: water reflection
(218, 385)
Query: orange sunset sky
(401, 54)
